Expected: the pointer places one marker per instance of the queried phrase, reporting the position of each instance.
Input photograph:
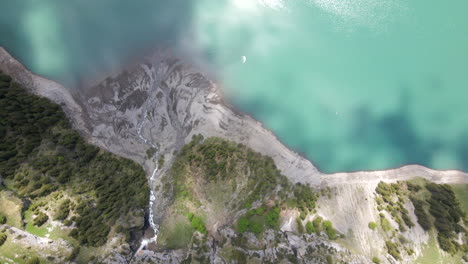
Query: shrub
(310, 227)
(74, 254)
(3, 219)
(161, 161)
(393, 250)
(272, 218)
(407, 219)
(305, 197)
(242, 224)
(198, 224)
(3, 238)
(256, 227)
(150, 152)
(34, 260)
(422, 216)
(259, 210)
(63, 210)
(300, 227)
(385, 224)
(40, 219)
(317, 222)
(331, 232)
(303, 215)
(376, 260)
(372, 225)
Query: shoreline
(14, 67)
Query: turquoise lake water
(351, 84)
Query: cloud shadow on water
(85, 38)
(392, 137)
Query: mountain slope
(149, 111)
(65, 189)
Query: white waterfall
(152, 199)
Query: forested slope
(41, 156)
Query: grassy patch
(176, 232)
(431, 253)
(10, 207)
(230, 254)
(461, 191)
(40, 231)
(15, 252)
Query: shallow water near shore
(354, 85)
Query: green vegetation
(197, 223)
(445, 208)
(310, 227)
(461, 191)
(329, 230)
(300, 226)
(317, 223)
(257, 220)
(447, 216)
(431, 253)
(40, 153)
(272, 218)
(376, 260)
(34, 260)
(436, 205)
(74, 254)
(393, 250)
(10, 208)
(40, 219)
(242, 224)
(3, 238)
(305, 198)
(161, 161)
(63, 210)
(372, 225)
(392, 197)
(150, 152)
(3, 219)
(224, 161)
(212, 171)
(423, 218)
(175, 232)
